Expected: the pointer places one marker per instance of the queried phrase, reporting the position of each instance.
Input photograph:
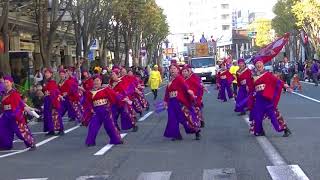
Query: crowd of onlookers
(304, 71)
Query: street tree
(86, 15)
(284, 22)
(48, 24)
(307, 13)
(262, 27)
(4, 37)
(155, 30)
(104, 32)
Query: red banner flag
(273, 49)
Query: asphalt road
(226, 151)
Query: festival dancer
(71, 100)
(132, 82)
(178, 99)
(224, 81)
(87, 86)
(123, 109)
(12, 120)
(267, 92)
(51, 107)
(139, 101)
(64, 87)
(103, 98)
(195, 84)
(245, 83)
(73, 95)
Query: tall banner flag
(273, 49)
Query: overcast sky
(175, 9)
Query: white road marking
(36, 133)
(272, 154)
(92, 177)
(307, 82)
(281, 170)
(307, 97)
(285, 172)
(165, 175)
(32, 123)
(219, 174)
(8, 151)
(33, 133)
(17, 141)
(107, 147)
(151, 91)
(34, 179)
(40, 143)
(302, 117)
(270, 151)
(145, 116)
(147, 93)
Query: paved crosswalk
(284, 172)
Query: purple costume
(12, 122)
(179, 110)
(51, 116)
(102, 100)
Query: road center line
(302, 117)
(272, 154)
(307, 97)
(8, 151)
(285, 172)
(107, 147)
(34, 179)
(304, 82)
(40, 143)
(92, 177)
(294, 171)
(151, 91)
(145, 116)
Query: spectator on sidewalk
(295, 83)
(315, 72)
(38, 78)
(285, 69)
(300, 70)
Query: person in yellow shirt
(154, 81)
(233, 70)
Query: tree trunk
(77, 34)
(126, 48)
(4, 58)
(42, 18)
(117, 46)
(104, 45)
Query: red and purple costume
(51, 116)
(102, 101)
(224, 79)
(195, 84)
(138, 99)
(124, 109)
(71, 103)
(180, 109)
(87, 85)
(245, 84)
(13, 122)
